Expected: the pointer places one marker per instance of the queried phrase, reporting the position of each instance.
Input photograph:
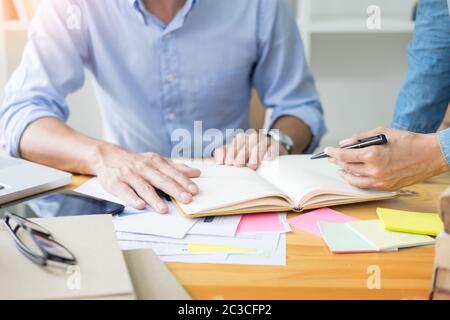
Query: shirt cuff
(311, 116)
(444, 141)
(22, 118)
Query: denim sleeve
(425, 95)
(51, 68)
(282, 76)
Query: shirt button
(170, 77)
(168, 36)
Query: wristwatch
(282, 138)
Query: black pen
(362, 143)
(163, 195)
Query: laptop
(20, 179)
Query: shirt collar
(138, 7)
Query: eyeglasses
(36, 242)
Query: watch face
(282, 138)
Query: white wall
(358, 78)
(359, 72)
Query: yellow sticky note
(411, 222)
(206, 248)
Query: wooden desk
(314, 273)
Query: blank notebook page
(298, 175)
(222, 186)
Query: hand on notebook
(249, 150)
(408, 158)
(133, 177)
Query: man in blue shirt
(415, 151)
(160, 66)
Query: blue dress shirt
(152, 78)
(425, 96)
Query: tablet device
(63, 203)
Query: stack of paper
(250, 239)
(345, 234)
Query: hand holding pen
(362, 143)
(388, 159)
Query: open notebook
(290, 183)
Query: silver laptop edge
(21, 179)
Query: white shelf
(340, 26)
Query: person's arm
(425, 95)
(130, 176)
(410, 157)
(285, 84)
(51, 142)
(297, 130)
(32, 119)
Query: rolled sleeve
(52, 67)
(282, 76)
(425, 95)
(444, 140)
(16, 119)
(310, 115)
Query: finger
(272, 152)
(126, 193)
(258, 154)
(348, 141)
(356, 169)
(186, 170)
(170, 170)
(168, 185)
(359, 182)
(234, 149)
(219, 155)
(147, 193)
(346, 155)
(242, 157)
(251, 141)
(362, 135)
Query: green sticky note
(340, 238)
(375, 233)
(411, 222)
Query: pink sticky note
(308, 221)
(260, 223)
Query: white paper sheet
(169, 234)
(275, 258)
(266, 242)
(225, 226)
(172, 224)
(93, 188)
(168, 225)
(286, 225)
